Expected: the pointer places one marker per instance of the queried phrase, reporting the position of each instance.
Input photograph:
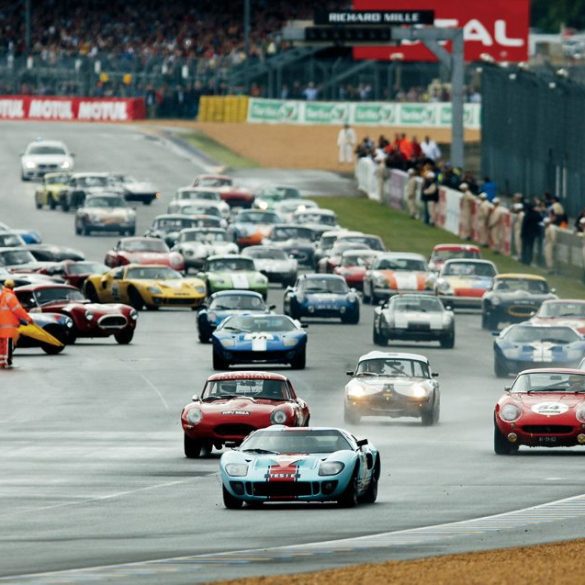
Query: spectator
(550, 239)
(467, 208)
(430, 197)
(557, 213)
(489, 188)
(580, 225)
(430, 149)
(483, 214)
(346, 141)
(530, 231)
(416, 149)
(518, 216)
(411, 190)
(311, 93)
(495, 226)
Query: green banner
(375, 114)
(326, 113)
(274, 111)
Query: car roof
(239, 292)
(405, 255)
(572, 301)
(247, 375)
(47, 284)
(361, 234)
(214, 177)
(455, 247)
(285, 429)
(359, 252)
(515, 275)
(393, 355)
(81, 175)
(48, 142)
(227, 257)
(319, 276)
(316, 210)
(552, 371)
(140, 239)
(469, 261)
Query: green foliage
(548, 15)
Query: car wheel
(371, 494)
(204, 336)
(500, 369)
(448, 341)
(91, 293)
(230, 502)
(85, 230)
(219, 363)
(349, 498)
(300, 360)
(379, 338)
(501, 445)
(147, 201)
(192, 447)
(65, 206)
(124, 337)
(132, 232)
(59, 334)
(489, 322)
(430, 415)
(135, 299)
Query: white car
(202, 194)
(274, 263)
(197, 207)
(197, 244)
(45, 156)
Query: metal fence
(533, 134)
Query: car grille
(548, 429)
(47, 167)
(414, 326)
(233, 430)
(282, 489)
(184, 301)
(235, 201)
(522, 310)
(113, 322)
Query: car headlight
(355, 391)
(289, 341)
(134, 314)
(228, 342)
(331, 468)
(69, 323)
(380, 282)
(89, 315)
(29, 164)
(66, 164)
(262, 280)
(236, 469)
(443, 286)
(154, 290)
(419, 391)
(278, 417)
(495, 300)
(200, 290)
(580, 414)
(510, 412)
(194, 416)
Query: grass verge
(218, 152)
(402, 234)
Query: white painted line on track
(564, 509)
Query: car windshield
(15, 257)
(325, 285)
(266, 253)
(531, 334)
(297, 441)
(258, 324)
(200, 210)
(172, 224)
(46, 149)
(56, 294)
(76, 268)
(152, 272)
(231, 264)
(369, 241)
(422, 304)
(448, 254)
(56, 179)
(362, 260)
(562, 309)
(10, 240)
(257, 217)
(402, 367)
(401, 264)
(256, 388)
(93, 181)
(549, 382)
(519, 284)
(327, 242)
(193, 194)
(203, 236)
(469, 269)
(237, 302)
(214, 181)
(281, 234)
(144, 246)
(110, 202)
(313, 217)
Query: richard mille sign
(373, 17)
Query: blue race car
(222, 304)
(283, 464)
(523, 346)
(322, 295)
(58, 325)
(259, 338)
(29, 236)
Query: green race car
(49, 192)
(232, 272)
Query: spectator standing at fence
(517, 217)
(483, 213)
(346, 141)
(416, 149)
(410, 192)
(489, 188)
(580, 225)
(430, 197)
(467, 207)
(550, 239)
(557, 213)
(311, 93)
(531, 228)
(496, 225)
(430, 149)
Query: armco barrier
(69, 109)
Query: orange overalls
(11, 314)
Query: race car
(526, 345)
(462, 283)
(235, 404)
(394, 385)
(325, 243)
(19, 259)
(543, 408)
(106, 212)
(81, 185)
(29, 236)
(232, 272)
(568, 312)
(353, 266)
(513, 298)
(331, 261)
(414, 317)
(49, 192)
(443, 252)
(90, 319)
(59, 326)
(203, 194)
(396, 272)
(325, 217)
(322, 295)
(254, 338)
(143, 251)
(44, 156)
(168, 227)
(225, 303)
(273, 263)
(250, 227)
(145, 286)
(270, 197)
(74, 273)
(197, 244)
(213, 181)
(296, 241)
(52, 253)
(11, 240)
(283, 464)
(288, 207)
(197, 207)
(134, 190)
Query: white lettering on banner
(103, 111)
(502, 38)
(51, 109)
(12, 109)
(475, 31)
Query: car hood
(325, 297)
(239, 278)
(177, 284)
(268, 264)
(103, 212)
(95, 308)
(239, 407)
(540, 402)
(522, 295)
(403, 279)
(46, 158)
(398, 384)
(140, 187)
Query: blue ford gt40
(284, 464)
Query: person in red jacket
(11, 316)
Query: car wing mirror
(195, 398)
(495, 333)
(362, 443)
(272, 307)
(230, 444)
(507, 388)
(304, 325)
(349, 372)
(435, 374)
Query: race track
(92, 472)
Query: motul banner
(69, 109)
(496, 27)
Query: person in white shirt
(430, 149)
(346, 141)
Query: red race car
(443, 252)
(75, 273)
(143, 251)
(353, 266)
(89, 319)
(543, 408)
(234, 404)
(569, 312)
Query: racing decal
(259, 340)
(549, 408)
(284, 470)
(236, 412)
(240, 280)
(542, 352)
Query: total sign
(496, 27)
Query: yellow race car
(150, 286)
(49, 192)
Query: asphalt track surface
(94, 486)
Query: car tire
(379, 338)
(349, 498)
(85, 230)
(229, 501)
(351, 416)
(59, 334)
(135, 299)
(300, 360)
(147, 201)
(371, 494)
(38, 205)
(219, 363)
(124, 337)
(91, 293)
(448, 341)
(132, 232)
(352, 318)
(430, 416)
(192, 447)
(500, 369)
(501, 445)
(489, 322)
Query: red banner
(496, 27)
(25, 107)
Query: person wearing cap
(467, 207)
(496, 226)
(410, 191)
(11, 316)
(346, 141)
(483, 213)
(430, 197)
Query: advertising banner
(68, 109)
(274, 111)
(496, 27)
